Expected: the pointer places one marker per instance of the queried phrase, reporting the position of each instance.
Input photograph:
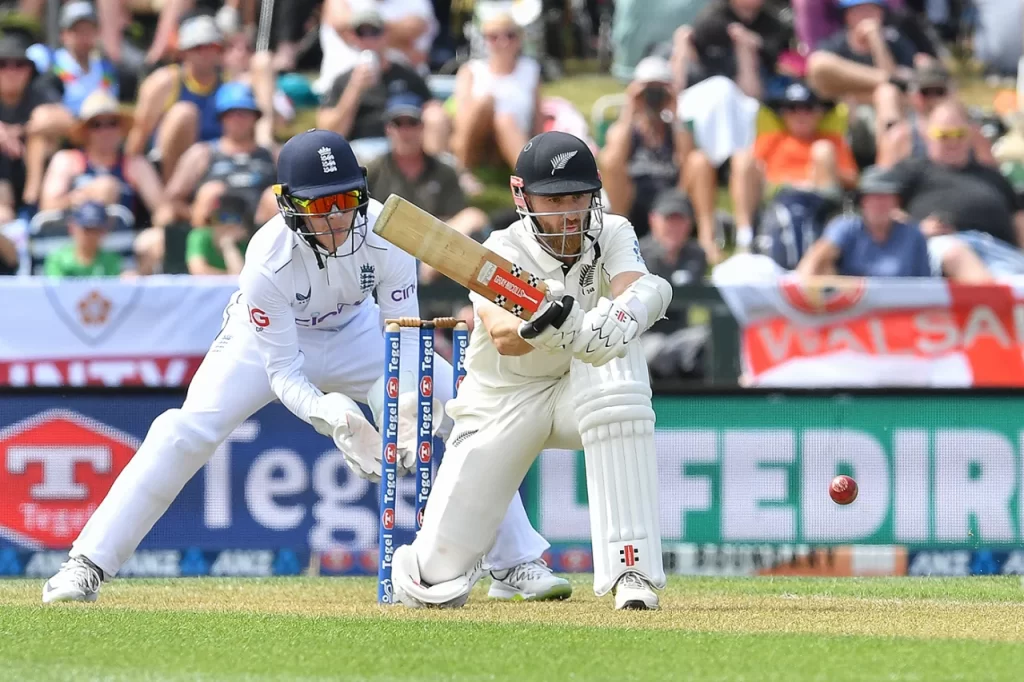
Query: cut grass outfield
(791, 630)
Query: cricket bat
(468, 262)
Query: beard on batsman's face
(563, 234)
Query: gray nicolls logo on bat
(560, 160)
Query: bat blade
(459, 258)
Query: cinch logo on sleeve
(402, 294)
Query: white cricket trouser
(231, 385)
(497, 436)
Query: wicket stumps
(424, 427)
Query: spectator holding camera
(85, 256)
(220, 248)
(354, 104)
(644, 150)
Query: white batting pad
(616, 421)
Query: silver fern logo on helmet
(560, 161)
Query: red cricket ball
(843, 490)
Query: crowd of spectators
(832, 129)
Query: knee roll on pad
(616, 422)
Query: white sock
(744, 236)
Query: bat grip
(553, 315)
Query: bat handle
(553, 315)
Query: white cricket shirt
(290, 296)
(617, 251)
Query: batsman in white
(582, 384)
(303, 329)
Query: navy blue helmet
(322, 192)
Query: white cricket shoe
(632, 591)
(77, 580)
(531, 581)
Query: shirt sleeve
(333, 95)
(272, 322)
(622, 252)
(839, 232)
(452, 198)
(198, 243)
(922, 263)
(52, 265)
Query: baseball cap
(672, 202)
(235, 95)
(847, 4)
(199, 31)
(91, 215)
(930, 76)
(798, 93)
(14, 46)
(878, 180)
(653, 70)
(366, 15)
(74, 12)
(405, 104)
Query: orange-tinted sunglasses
(345, 201)
(948, 133)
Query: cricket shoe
(632, 591)
(77, 580)
(530, 581)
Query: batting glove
(554, 338)
(605, 333)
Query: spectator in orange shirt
(800, 155)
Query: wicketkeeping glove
(338, 417)
(605, 333)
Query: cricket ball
(843, 490)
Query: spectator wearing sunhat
(800, 154)
(867, 53)
(177, 102)
(408, 171)
(234, 161)
(353, 105)
(874, 243)
(96, 168)
(30, 119)
(643, 152)
(85, 255)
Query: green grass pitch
(304, 629)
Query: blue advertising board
(274, 492)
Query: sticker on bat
(486, 272)
(516, 290)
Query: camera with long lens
(655, 98)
